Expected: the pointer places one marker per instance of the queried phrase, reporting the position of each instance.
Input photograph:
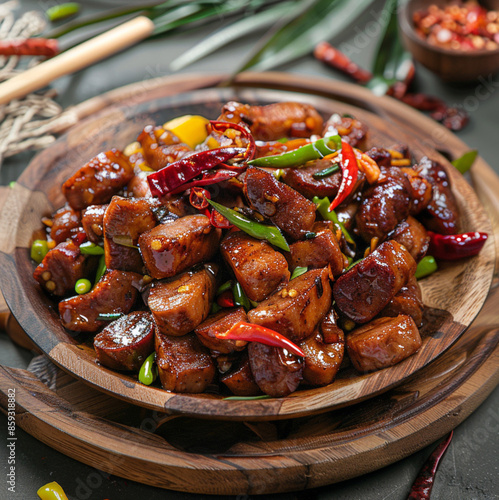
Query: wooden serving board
(213, 457)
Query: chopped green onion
(298, 271)
(255, 229)
(240, 298)
(101, 269)
(426, 266)
(226, 286)
(62, 11)
(83, 286)
(246, 398)
(352, 264)
(464, 163)
(39, 249)
(89, 248)
(109, 316)
(321, 174)
(148, 371)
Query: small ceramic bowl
(450, 65)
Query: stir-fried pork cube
(276, 371)
(169, 249)
(407, 301)
(219, 323)
(64, 224)
(329, 329)
(286, 208)
(125, 343)
(124, 221)
(413, 236)
(368, 287)
(322, 361)
(92, 221)
(239, 379)
(115, 293)
(296, 310)
(256, 265)
(350, 129)
(98, 180)
(184, 364)
(180, 305)
(383, 342)
(61, 268)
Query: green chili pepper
(313, 151)
(246, 398)
(321, 174)
(109, 316)
(240, 298)
(89, 248)
(148, 371)
(464, 163)
(62, 11)
(226, 286)
(83, 286)
(39, 249)
(101, 269)
(255, 229)
(298, 272)
(322, 205)
(426, 266)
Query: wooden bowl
(450, 65)
(454, 294)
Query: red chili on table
(257, 333)
(48, 47)
(350, 170)
(456, 246)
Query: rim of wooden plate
(467, 282)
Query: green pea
(89, 248)
(39, 249)
(148, 371)
(83, 286)
(426, 266)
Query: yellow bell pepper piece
(52, 491)
(190, 129)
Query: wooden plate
(455, 294)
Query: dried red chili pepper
(257, 333)
(452, 118)
(219, 221)
(197, 198)
(326, 53)
(48, 47)
(349, 171)
(226, 299)
(421, 488)
(251, 146)
(423, 102)
(456, 246)
(208, 178)
(177, 174)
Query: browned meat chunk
(421, 191)
(124, 221)
(286, 208)
(383, 342)
(295, 311)
(184, 365)
(161, 147)
(321, 251)
(61, 268)
(368, 287)
(276, 372)
(97, 181)
(350, 129)
(256, 265)
(384, 204)
(413, 236)
(126, 342)
(64, 224)
(93, 222)
(239, 380)
(114, 293)
(180, 305)
(169, 249)
(408, 301)
(274, 121)
(220, 323)
(138, 186)
(302, 179)
(381, 156)
(322, 361)
(328, 327)
(441, 214)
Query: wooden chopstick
(77, 58)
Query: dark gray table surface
(470, 468)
